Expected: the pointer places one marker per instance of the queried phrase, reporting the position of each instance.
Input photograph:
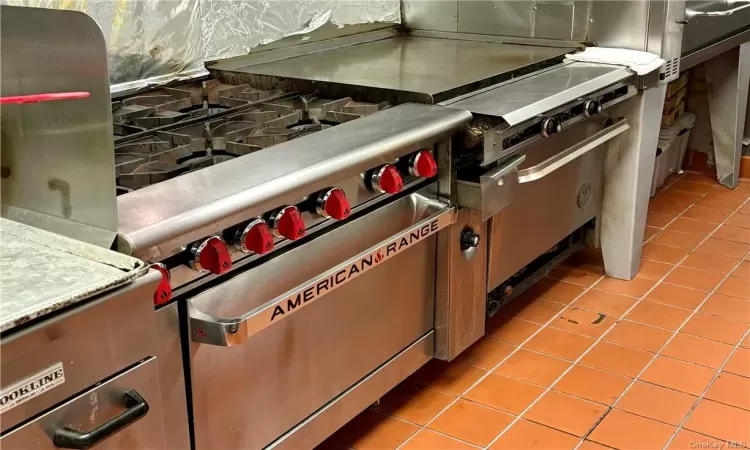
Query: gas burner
(271, 117)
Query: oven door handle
(692, 13)
(209, 329)
(573, 152)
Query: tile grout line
(543, 326)
(604, 334)
(705, 391)
(504, 359)
(677, 330)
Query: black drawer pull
(69, 438)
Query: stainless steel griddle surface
(409, 68)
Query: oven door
(277, 343)
(542, 194)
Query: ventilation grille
(672, 70)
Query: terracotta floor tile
(566, 413)
(485, 353)
(583, 275)
(658, 220)
(452, 378)
(429, 440)
(739, 363)
(706, 214)
(739, 220)
(679, 375)
(650, 232)
(700, 178)
(581, 321)
(586, 257)
(536, 310)
(605, 302)
(745, 209)
(555, 290)
(659, 205)
(373, 430)
(745, 342)
(710, 263)
(692, 278)
(730, 233)
(727, 307)
(533, 367)
(742, 271)
(690, 440)
(592, 384)
(524, 435)
(656, 402)
(682, 198)
(715, 328)
(617, 358)
(637, 287)
(724, 248)
(735, 287)
(724, 204)
(616, 430)
(638, 335)
(730, 389)
(471, 422)
(679, 296)
(691, 186)
(663, 253)
(677, 239)
(510, 329)
(559, 343)
(653, 270)
(659, 315)
(720, 421)
(504, 393)
(413, 402)
(697, 350)
(590, 445)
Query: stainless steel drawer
(340, 306)
(557, 188)
(123, 413)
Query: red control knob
(211, 255)
(287, 222)
(255, 237)
(422, 164)
(386, 179)
(333, 204)
(163, 291)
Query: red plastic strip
(35, 98)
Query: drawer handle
(209, 329)
(571, 153)
(69, 438)
(501, 171)
(691, 13)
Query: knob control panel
(210, 255)
(386, 180)
(551, 126)
(333, 204)
(592, 108)
(287, 222)
(254, 237)
(422, 164)
(163, 291)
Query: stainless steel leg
(728, 76)
(628, 169)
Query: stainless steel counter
(399, 69)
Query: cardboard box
(676, 85)
(667, 120)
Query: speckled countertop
(41, 272)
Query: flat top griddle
(399, 69)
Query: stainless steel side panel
(97, 406)
(245, 396)
(339, 411)
(92, 341)
(546, 209)
(172, 378)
